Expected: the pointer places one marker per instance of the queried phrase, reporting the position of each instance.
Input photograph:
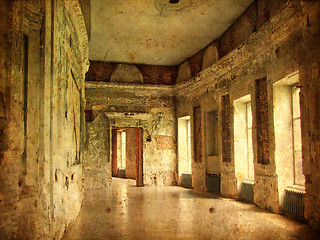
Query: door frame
(139, 156)
(114, 156)
(138, 151)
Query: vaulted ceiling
(158, 32)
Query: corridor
(125, 211)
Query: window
(184, 145)
(287, 131)
(296, 133)
(189, 142)
(249, 141)
(121, 149)
(243, 150)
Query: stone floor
(128, 212)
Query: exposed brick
(226, 133)
(152, 74)
(100, 71)
(196, 63)
(197, 134)
(255, 17)
(262, 121)
(165, 142)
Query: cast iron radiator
(294, 202)
(213, 183)
(246, 192)
(186, 180)
(121, 173)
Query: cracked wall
(96, 163)
(152, 74)
(42, 103)
(132, 106)
(283, 41)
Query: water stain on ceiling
(158, 32)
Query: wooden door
(139, 157)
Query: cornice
(137, 89)
(221, 73)
(257, 46)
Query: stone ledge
(139, 89)
(258, 44)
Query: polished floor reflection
(127, 212)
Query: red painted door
(114, 153)
(139, 158)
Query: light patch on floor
(127, 212)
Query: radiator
(294, 203)
(246, 192)
(186, 180)
(213, 183)
(121, 173)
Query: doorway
(127, 152)
(184, 152)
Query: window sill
(248, 180)
(297, 188)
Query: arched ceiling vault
(158, 32)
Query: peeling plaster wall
(159, 32)
(41, 182)
(96, 162)
(86, 11)
(152, 74)
(70, 61)
(131, 171)
(125, 73)
(251, 21)
(286, 40)
(147, 107)
(9, 170)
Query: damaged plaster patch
(126, 73)
(165, 142)
(96, 163)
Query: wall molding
(136, 88)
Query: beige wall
(96, 160)
(131, 169)
(148, 107)
(41, 169)
(286, 44)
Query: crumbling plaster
(272, 52)
(41, 168)
(151, 74)
(96, 162)
(41, 193)
(148, 107)
(280, 38)
(159, 33)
